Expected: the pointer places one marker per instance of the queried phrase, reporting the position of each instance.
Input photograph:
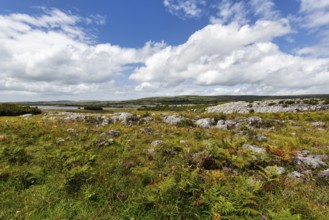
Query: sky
(129, 49)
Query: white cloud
(265, 9)
(185, 8)
(314, 14)
(239, 59)
(229, 11)
(242, 12)
(51, 52)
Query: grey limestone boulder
(310, 161)
(173, 119)
(125, 117)
(205, 122)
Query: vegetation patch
(66, 166)
(15, 110)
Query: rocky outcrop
(173, 119)
(304, 160)
(205, 122)
(268, 106)
(125, 118)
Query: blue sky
(125, 49)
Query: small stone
(103, 135)
(3, 137)
(151, 150)
(70, 130)
(318, 124)
(27, 115)
(114, 133)
(324, 174)
(147, 130)
(156, 143)
(295, 175)
(61, 141)
(254, 121)
(261, 137)
(102, 144)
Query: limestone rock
(125, 118)
(318, 124)
(205, 122)
(324, 174)
(268, 106)
(313, 161)
(156, 143)
(295, 175)
(147, 130)
(173, 119)
(114, 133)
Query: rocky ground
(306, 166)
(271, 106)
(167, 165)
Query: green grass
(50, 169)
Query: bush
(14, 110)
(311, 101)
(93, 108)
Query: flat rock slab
(311, 161)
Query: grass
(50, 169)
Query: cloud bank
(52, 55)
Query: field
(62, 165)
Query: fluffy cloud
(238, 59)
(52, 53)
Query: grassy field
(52, 168)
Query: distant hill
(172, 100)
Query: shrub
(290, 102)
(14, 110)
(311, 101)
(93, 108)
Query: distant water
(53, 107)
